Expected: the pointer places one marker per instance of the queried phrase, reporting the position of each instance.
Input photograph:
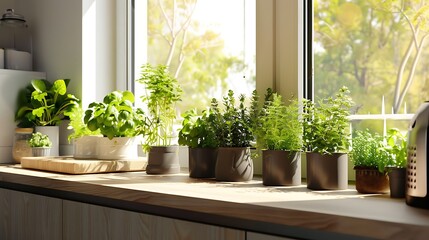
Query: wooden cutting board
(76, 166)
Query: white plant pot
(41, 151)
(86, 147)
(53, 134)
(117, 148)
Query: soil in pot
(234, 164)
(281, 168)
(370, 180)
(163, 160)
(327, 171)
(397, 182)
(202, 162)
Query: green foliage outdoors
(115, 116)
(281, 125)
(375, 48)
(194, 56)
(39, 140)
(199, 131)
(44, 104)
(326, 124)
(163, 92)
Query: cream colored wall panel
(29, 216)
(85, 221)
(259, 236)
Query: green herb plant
(39, 140)
(235, 122)
(163, 91)
(257, 112)
(367, 150)
(44, 104)
(116, 117)
(281, 125)
(326, 124)
(78, 125)
(199, 131)
(395, 148)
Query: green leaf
(39, 85)
(59, 87)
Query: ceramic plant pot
(202, 162)
(117, 148)
(86, 147)
(397, 182)
(281, 168)
(370, 180)
(41, 151)
(327, 171)
(163, 160)
(234, 164)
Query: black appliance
(417, 159)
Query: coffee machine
(417, 166)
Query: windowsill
(285, 211)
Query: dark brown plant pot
(234, 164)
(163, 160)
(397, 182)
(327, 171)
(281, 168)
(202, 162)
(370, 180)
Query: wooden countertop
(284, 211)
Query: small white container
(18, 60)
(41, 151)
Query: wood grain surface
(74, 166)
(293, 212)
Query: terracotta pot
(202, 162)
(370, 180)
(234, 164)
(281, 168)
(397, 182)
(327, 171)
(163, 160)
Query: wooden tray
(76, 166)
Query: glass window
(378, 49)
(208, 45)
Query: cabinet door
(29, 216)
(85, 221)
(260, 236)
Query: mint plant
(326, 124)
(199, 131)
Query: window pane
(375, 48)
(208, 45)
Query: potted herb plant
(281, 143)
(370, 162)
(163, 91)
(234, 162)
(199, 133)
(395, 147)
(44, 105)
(326, 139)
(119, 123)
(40, 144)
(85, 141)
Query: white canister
(18, 60)
(1, 58)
